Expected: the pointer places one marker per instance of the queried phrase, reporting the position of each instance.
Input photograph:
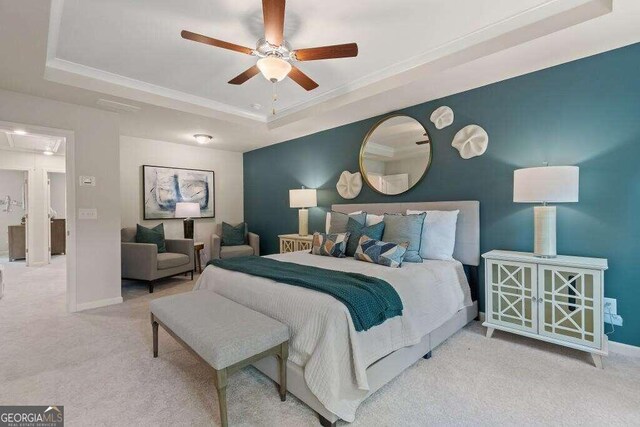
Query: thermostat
(87, 181)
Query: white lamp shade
(303, 198)
(273, 69)
(187, 210)
(551, 184)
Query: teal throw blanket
(370, 300)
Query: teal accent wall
(584, 113)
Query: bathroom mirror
(395, 154)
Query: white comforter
(323, 339)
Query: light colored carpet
(98, 365)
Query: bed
(333, 368)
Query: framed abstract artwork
(163, 187)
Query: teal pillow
(233, 235)
(152, 235)
(405, 228)
(358, 230)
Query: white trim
(98, 303)
(624, 349)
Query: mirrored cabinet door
(569, 304)
(512, 300)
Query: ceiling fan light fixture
(48, 153)
(273, 68)
(202, 138)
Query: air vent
(117, 106)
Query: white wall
(96, 148)
(11, 184)
(57, 194)
(36, 164)
(135, 152)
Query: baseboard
(624, 349)
(99, 303)
(614, 346)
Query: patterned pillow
(383, 253)
(333, 245)
(358, 230)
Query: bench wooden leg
(282, 360)
(154, 327)
(221, 386)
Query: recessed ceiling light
(256, 106)
(48, 153)
(20, 132)
(202, 138)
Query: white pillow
(438, 238)
(373, 219)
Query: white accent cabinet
(295, 242)
(558, 300)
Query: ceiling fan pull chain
(274, 99)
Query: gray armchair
(141, 261)
(251, 246)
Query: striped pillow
(383, 253)
(334, 245)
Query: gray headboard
(467, 249)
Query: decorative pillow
(333, 245)
(374, 219)
(400, 228)
(358, 230)
(438, 234)
(338, 221)
(233, 235)
(152, 235)
(383, 253)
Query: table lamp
(547, 184)
(303, 198)
(188, 211)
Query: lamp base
(303, 222)
(545, 231)
(188, 228)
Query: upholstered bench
(226, 335)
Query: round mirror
(395, 155)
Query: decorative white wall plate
(442, 117)
(349, 184)
(471, 141)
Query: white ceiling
(411, 51)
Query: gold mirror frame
(364, 143)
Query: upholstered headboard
(467, 249)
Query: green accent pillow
(152, 235)
(358, 230)
(233, 235)
(405, 228)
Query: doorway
(34, 210)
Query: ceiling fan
(276, 55)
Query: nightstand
(198, 247)
(558, 300)
(295, 242)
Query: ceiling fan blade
(215, 42)
(302, 79)
(246, 75)
(273, 15)
(348, 50)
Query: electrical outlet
(611, 312)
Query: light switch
(87, 213)
(87, 181)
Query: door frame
(70, 169)
(46, 218)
